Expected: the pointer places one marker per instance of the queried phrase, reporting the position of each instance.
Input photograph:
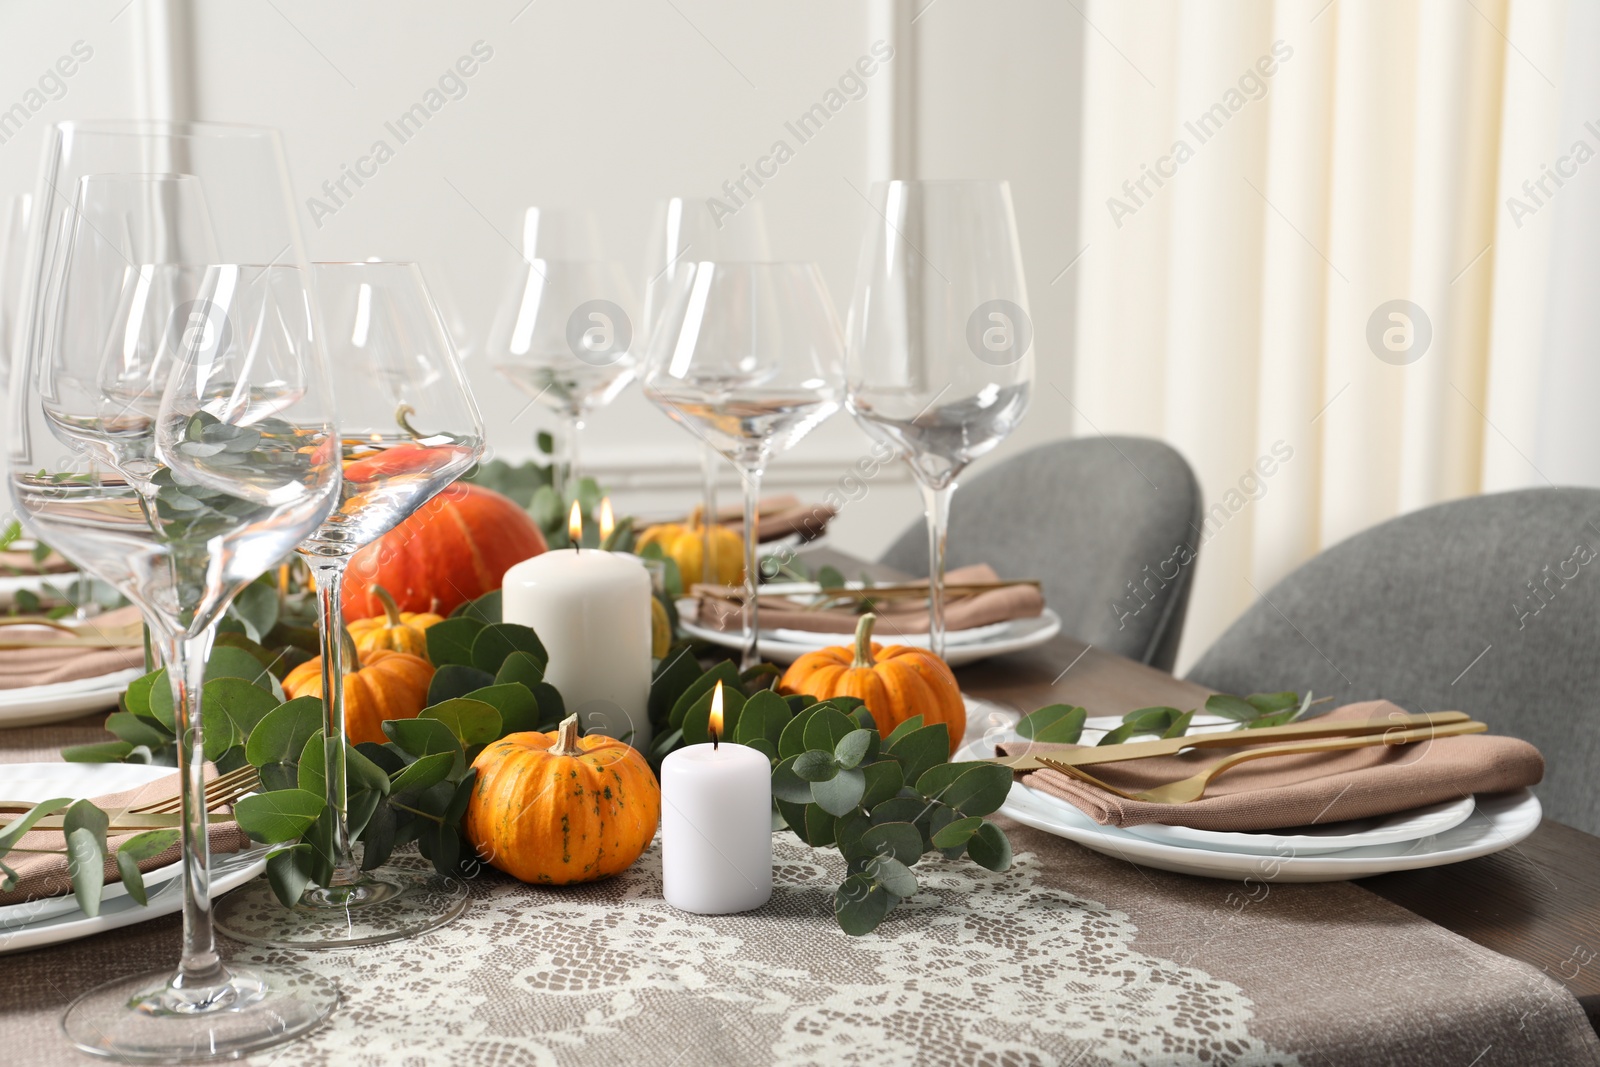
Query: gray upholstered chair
(1108, 524)
(1489, 605)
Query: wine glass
(13, 256)
(564, 333)
(940, 351)
(131, 290)
(748, 356)
(684, 231)
(409, 428)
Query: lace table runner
(1070, 958)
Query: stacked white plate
(1425, 837)
(57, 919)
(37, 704)
(961, 646)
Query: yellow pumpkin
(555, 808)
(394, 630)
(684, 544)
(388, 685)
(895, 683)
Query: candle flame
(608, 519)
(715, 723)
(575, 524)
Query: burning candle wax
(716, 825)
(591, 609)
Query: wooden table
(1538, 901)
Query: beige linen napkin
(776, 517)
(1286, 791)
(894, 616)
(13, 561)
(44, 665)
(46, 874)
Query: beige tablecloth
(1069, 958)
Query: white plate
(1499, 821)
(63, 700)
(36, 923)
(1318, 840)
(786, 646)
(228, 871)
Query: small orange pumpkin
(555, 808)
(395, 630)
(895, 683)
(388, 685)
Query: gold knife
(1171, 746)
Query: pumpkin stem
(347, 650)
(864, 641)
(697, 517)
(402, 415)
(390, 608)
(567, 738)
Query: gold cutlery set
(163, 813)
(1293, 740)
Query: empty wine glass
(684, 231)
(747, 356)
(564, 333)
(107, 461)
(940, 351)
(409, 428)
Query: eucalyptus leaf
(279, 816)
(312, 768)
(84, 826)
(13, 830)
(725, 672)
(906, 728)
(494, 643)
(378, 837)
(827, 726)
(473, 722)
(893, 875)
(898, 840)
(1056, 724)
(842, 793)
(451, 641)
(884, 780)
(792, 741)
(486, 609)
(990, 847)
(789, 786)
(425, 772)
(1272, 703)
(455, 680)
(978, 790)
(957, 832)
(854, 747)
(100, 752)
(424, 737)
(359, 807)
(138, 730)
(763, 717)
(518, 707)
(281, 734)
(134, 850)
(231, 708)
(860, 905)
(921, 749)
(289, 873)
(1230, 707)
(816, 766)
(520, 668)
(696, 721)
(677, 671)
(820, 826)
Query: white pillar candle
(716, 826)
(592, 611)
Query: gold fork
(220, 791)
(1194, 787)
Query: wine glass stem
(186, 670)
(936, 504)
(569, 461)
(329, 574)
(708, 479)
(752, 576)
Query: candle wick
(714, 742)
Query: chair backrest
(1489, 605)
(1108, 524)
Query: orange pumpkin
(394, 630)
(895, 683)
(453, 549)
(555, 808)
(388, 685)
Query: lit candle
(608, 519)
(716, 825)
(592, 611)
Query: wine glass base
(144, 1019)
(387, 904)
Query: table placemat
(1069, 958)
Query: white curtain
(1281, 201)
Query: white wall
(610, 104)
